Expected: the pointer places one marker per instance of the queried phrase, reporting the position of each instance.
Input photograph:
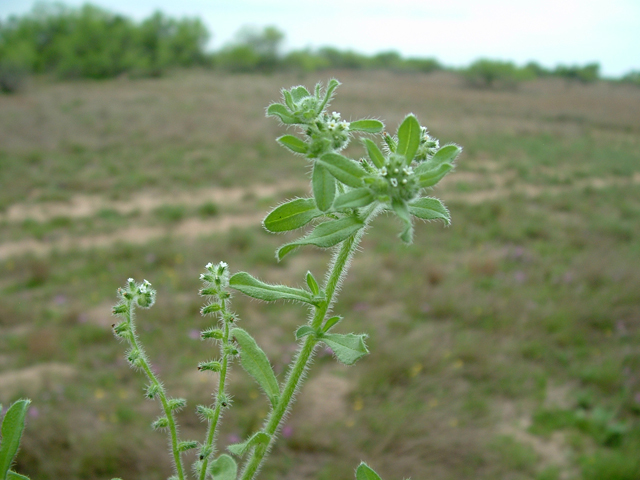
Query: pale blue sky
(454, 31)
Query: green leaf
(348, 348)
(366, 125)
(303, 331)
(288, 99)
(299, 92)
(312, 283)
(344, 169)
(258, 438)
(331, 323)
(430, 178)
(374, 152)
(291, 215)
(401, 209)
(256, 363)
(333, 84)
(446, 154)
(429, 208)
(223, 468)
(360, 197)
(251, 286)
(365, 472)
(12, 427)
(293, 143)
(325, 235)
(11, 475)
(324, 186)
(409, 133)
(280, 111)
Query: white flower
(208, 265)
(142, 289)
(394, 182)
(223, 265)
(332, 125)
(335, 116)
(407, 170)
(344, 125)
(383, 171)
(202, 276)
(130, 280)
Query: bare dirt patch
(31, 380)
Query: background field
(505, 346)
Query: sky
(456, 32)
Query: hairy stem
(213, 423)
(302, 361)
(173, 432)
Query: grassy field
(505, 346)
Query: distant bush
(252, 50)
(486, 73)
(586, 74)
(94, 43)
(632, 77)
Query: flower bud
(160, 423)
(187, 445)
(213, 333)
(211, 308)
(212, 366)
(176, 404)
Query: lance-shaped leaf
(344, 169)
(429, 208)
(293, 143)
(323, 185)
(374, 152)
(303, 331)
(11, 475)
(12, 427)
(348, 348)
(325, 235)
(280, 111)
(446, 154)
(401, 209)
(366, 125)
(291, 215)
(288, 99)
(256, 363)
(257, 439)
(431, 177)
(331, 323)
(333, 84)
(299, 92)
(223, 468)
(359, 197)
(251, 286)
(409, 133)
(365, 472)
(312, 283)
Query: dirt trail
(194, 227)
(89, 205)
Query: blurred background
(133, 143)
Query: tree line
(90, 42)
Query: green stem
(163, 398)
(303, 359)
(213, 424)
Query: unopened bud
(211, 308)
(187, 445)
(212, 366)
(160, 423)
(175, 404)
(214, 333)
